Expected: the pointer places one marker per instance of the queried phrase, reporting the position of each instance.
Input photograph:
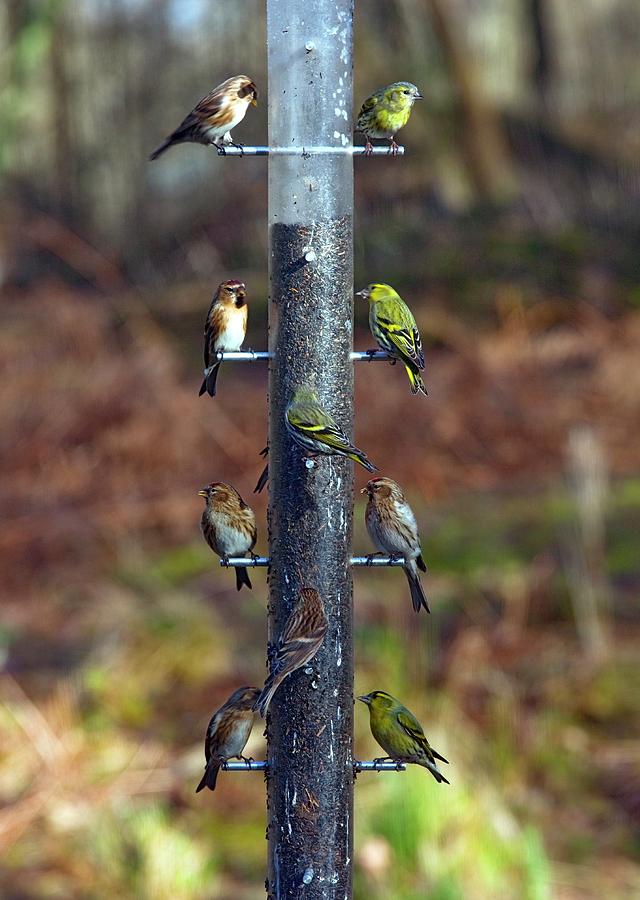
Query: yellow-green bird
(385, 112)
(394, 328)
(400, 734)
(315, 430)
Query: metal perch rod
(359, 765)
(306, 152)
(251, 562)
(253, 355)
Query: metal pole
(310, 724)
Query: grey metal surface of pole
(310, 721)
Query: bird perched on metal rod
(224, 329)
(385, 112)
(392, 528)
(394, 328)
(228, 733)
(211, 120)
(228, 525)
(301, 638)
(315, 430)
(400, 734)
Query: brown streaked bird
(211, 120)
(224, 329)
(228, 733)
(299, 642)
(228, 525)
(392, 528)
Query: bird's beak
(418, 96)
(254, 102)
(366, 699)
(203, 493)
(364, 490)
(242, 293)
(364, 293)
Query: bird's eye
(406, 92)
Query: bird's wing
(364, 116)
(211, 737)
(307, 622)
(212, 328)
(404, 334)
(318, 424)
(291, 654)
(369, 104)
(210, 106)
(303, 633)
(187, 128)
(439, 756)
(413, 728)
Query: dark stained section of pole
(310, 720)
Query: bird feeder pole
(310, 724)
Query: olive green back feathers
(393, 326)
(316, 431)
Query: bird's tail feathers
(161, 149)
(421, 563)
(361, 457)
(438, 756)
(210, 379)
(418, 597)
(264, 477)
(210, 776)
(437, 774)
(242, 577)
(271, 685)
(415, 379)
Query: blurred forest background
(511, 227)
